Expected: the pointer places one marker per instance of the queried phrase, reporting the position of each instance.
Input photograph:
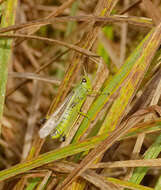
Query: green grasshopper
(62, 119)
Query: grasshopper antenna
(84, 71)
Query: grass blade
(8, 19)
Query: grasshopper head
(86, 83)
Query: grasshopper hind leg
(55, 134)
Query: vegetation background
(44, 46)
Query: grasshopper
(58, 125)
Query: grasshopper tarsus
(63, 138)
(42, 120)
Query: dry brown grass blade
(51, 41)
(64, 166)
(34, 77)
(130, 163)
(138, 21)
(33, 109)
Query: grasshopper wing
(54, 120)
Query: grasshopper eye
(84, 80)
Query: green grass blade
(32, 183)
(128, 184)
(8, 19)
(151, 153)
